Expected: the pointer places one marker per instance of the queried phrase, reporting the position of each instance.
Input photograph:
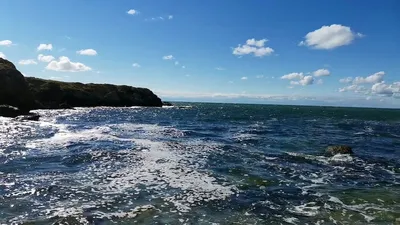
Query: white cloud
(168, 57)
(45, 58)
(346, 80)
(27, 62)
(65, 65)
(90, 52)
(383, 89)
(254, 47)
(2, 55)
(170, 17)
(7, 43)
(260, 76)
(321, 73)
(254, 42)
(354, 88)
(307, 80)
(137, 65)
(292, 76)
(330, 37)
(244, 78)
(133, 12)
(372, 79)
(176, 63)
(220, 68)
(301, 79)
(42, 47)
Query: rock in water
(9, 111)
(339, 149)
(14, 90)
(30, 116)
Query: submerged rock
(339, 149)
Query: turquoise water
(201, 164)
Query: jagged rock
(339, 149)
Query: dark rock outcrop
(55, 95)
(167, 104)
(14, 112)
(14, 90)
(339, 149)
(29, 117)
(9, 111)
(34, 93)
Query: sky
(338, 52)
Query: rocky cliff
(29, 93)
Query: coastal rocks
(50, 94)
(28, 117)
(14, 112)
(167, 104)
(339, 149)
(9, 111)
(14, 91)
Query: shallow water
(205, 164)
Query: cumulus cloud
(354, 88)
(383, 89)
(372, 79)
(65, 65)
(132, 12)
(7, 43)
(45, 58)
(168, 57)
(330, 37)
(244, 78)
(89, 52)
(307, 80)
(298, 79)
(255, 47)
(346, 80)
(137, 65)
(254, 42)
(27, 62)
(321, 73)
(388, 90)
(42, 47)
(292, 76)
(2, 55)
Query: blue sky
(261, 51)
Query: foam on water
(168, 171)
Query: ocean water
(201, 164)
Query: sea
(201, 163)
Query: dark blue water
(204, 164)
